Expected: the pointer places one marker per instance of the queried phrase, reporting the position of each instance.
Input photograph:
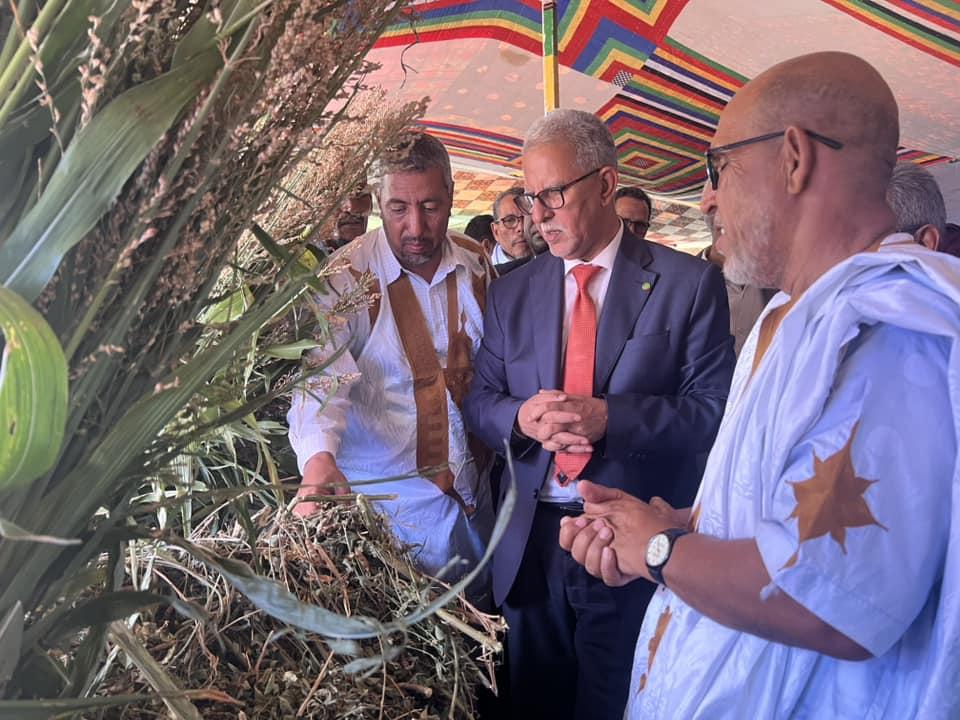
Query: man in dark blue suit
(616, 371)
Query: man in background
(352, 219)
(480, 229)
(508, 229)
(917, 203)
(635, 209)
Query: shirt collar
(392, 268)
(898, 238)
(604, 259)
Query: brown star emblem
(654, 643)
(832, 500)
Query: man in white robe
(394, 408)
(816, 575)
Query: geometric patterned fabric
(658, 72)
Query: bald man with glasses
(608, 359)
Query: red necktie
(578, 364)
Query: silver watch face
(658, 550)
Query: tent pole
(551, 78)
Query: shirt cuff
(316, 443)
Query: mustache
(546, 228)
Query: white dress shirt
(597, 289)
(361, 409)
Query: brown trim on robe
(430, 381)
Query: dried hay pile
(252, 666)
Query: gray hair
(915, 198)
(513, 192)
(416, 152)
(582, 131)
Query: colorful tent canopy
(658, 71)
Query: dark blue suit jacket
(664, 361)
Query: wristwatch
(659, 548)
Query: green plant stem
(25, 11)
(16, 73)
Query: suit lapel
(631, 284)
(546, 285)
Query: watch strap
(656, 571)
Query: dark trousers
(571, 638)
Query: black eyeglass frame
(511, 226)
(521, 200)
(713, 173)
(631, 225)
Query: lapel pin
(646, 287)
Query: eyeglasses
(510, 221)
(551, 197)
(637, 227)
(713, 172)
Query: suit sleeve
(687, 421)
(489, 409)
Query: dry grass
(249, 665)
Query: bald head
(832, 93)
(814, 142)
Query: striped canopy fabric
(658, 72)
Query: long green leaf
(278, 602)
(296, 268)
(52, 708)
(11, 636)
(33, 393)
(106, 608)
(14, 533)
(82, 490)
(93, 170)
(203, 32)
(172, 695)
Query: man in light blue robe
(817, 573)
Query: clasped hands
(563, 422)
(610, 538)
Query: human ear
(928, 236)
(608, 184)
(798, 158)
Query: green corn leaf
(292, 351)
(13, 532)
(106, 608)
(33, 393)
(297, 269)
(230, 308)
(203, 32)
(55, 707)
(11, 637)
(278, 602)
(93, 170)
